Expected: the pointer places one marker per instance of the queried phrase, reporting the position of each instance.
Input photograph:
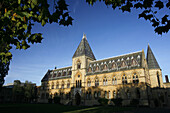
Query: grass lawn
(54, 108)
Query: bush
(57, 100)
(134, 102)
(117, 101)
(103, 101)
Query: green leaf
(19, 1)
(43, 22)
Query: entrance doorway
(77, 98)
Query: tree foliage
(17, 17)
(151, 11)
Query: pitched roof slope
(151, 60)
(84, 49)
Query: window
(68, 84)
(96, 82)
(134, 62)
(114, 95)
(114, 66)
(52, 86)
(89, 70)
(135, 78)
(69, 73)
(158, 79)
(78, 83)
(59, 74)
(97, 68)
(88, 83)
(118, 94)
(54, 75)
(105, 94)
(57, 85)
(105, 67)
(95, 95)
(109, 95)
(64, 73)
(78, 65)
(124, 79)
(114, 80)
(123, 64)
(62, 85)
(104, 81)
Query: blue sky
(109, 33)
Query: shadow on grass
(55, 108)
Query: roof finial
(84, 36)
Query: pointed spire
(151, 60)
(84, 36)
(84, 49)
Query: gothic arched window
(96, 82)
(124, 79)
(114, 80)
(105, 81)
(135, 78)
(88, 82)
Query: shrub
(117, 101)
(134, 102)
(57, 100)
(103, 101)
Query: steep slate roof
(127, 58)
(151, 60)
(46, 76)
(84, 49)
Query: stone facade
(127, 76)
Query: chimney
(166, 78)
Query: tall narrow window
(114, 94)
(158, 79)
(124, 79)
(105, 81)
(57, 85)
(96, 82)
(62, 85)
(68, 84)
(78, 65)
(114, 80)
(105, 94)
(109, 95)
(88, 83)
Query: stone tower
(154, 69)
